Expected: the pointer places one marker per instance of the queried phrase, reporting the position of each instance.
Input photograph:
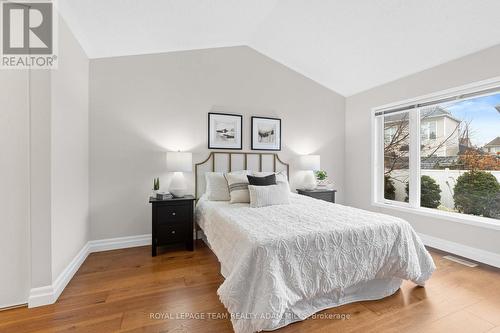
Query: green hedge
(430, 192)
(389, 189)
(477, 193)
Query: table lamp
(179, 162)
(309, 163)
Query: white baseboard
(119, 243)
(41, 296)
(67, 274)
(49, 294)
(485, 257)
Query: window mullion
(381, 162)
(379, 159)
(414, 159)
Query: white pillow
(238, 187)
(262, 196)
(216, 187)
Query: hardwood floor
(123, 291)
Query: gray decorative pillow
(262, 181)
(238, 187)
(280, 177)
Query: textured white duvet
(284, 263)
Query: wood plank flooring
(128, 291)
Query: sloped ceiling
(346, 45)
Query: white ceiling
(348, 46)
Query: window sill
(476, 221)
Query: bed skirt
(369, 291)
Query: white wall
(142, 106)
(14, 187)
(476, 67)
(69, 149)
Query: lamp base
(309, 182)
(178, 192)
(177, 185)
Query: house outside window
(441, 156)
(493, 147)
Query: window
(428, 130)
(396, 155)
(441, 155)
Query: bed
(283, 263)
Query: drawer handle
(173, 231)
(173, 214)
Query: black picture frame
(213, 145)
(257, 146)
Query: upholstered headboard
(233, 161)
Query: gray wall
(44, 212)
(142, 106)
(40, 187)
(14, 187)
(476, 67)
(25, 221)
(69, 151)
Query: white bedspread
(284, 263)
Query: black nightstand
(173, 222)
(320, 193)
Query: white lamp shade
(179, 161)
(309, 162)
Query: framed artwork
(266, 133)
(224, 131)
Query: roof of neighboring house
(494, 142)
(428, 113)
(498, 107)
(438, 111)
(433, 162)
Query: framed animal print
(224, 131)
(266, 133)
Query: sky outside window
(484, 118)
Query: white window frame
(377, 158)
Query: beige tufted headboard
(233, 161)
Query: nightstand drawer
(173, 222)
(173, 213)
(172, 233)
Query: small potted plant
(156, 186)
(322, 178)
